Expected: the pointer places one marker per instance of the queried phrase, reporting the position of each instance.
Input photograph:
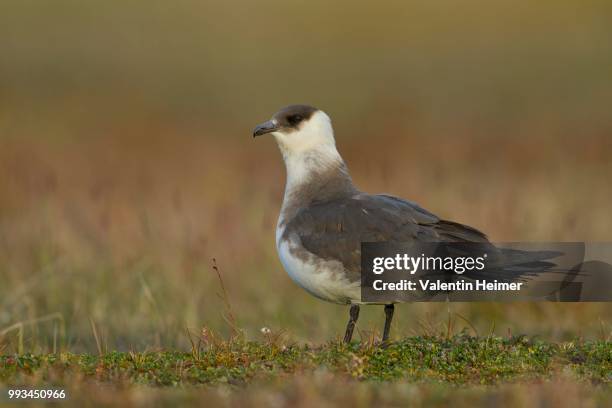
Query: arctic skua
(324, 218)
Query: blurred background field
(127, 165)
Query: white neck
(302, 168)
(315, 170)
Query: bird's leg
(353, 315)
(388, 317)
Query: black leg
(388, 317)
(353, 316)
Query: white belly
(323, 279)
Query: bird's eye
(294, 119)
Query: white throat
(309, 151)
(304, 167)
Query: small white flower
(265, 330)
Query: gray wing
(335, 229)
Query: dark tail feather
(513, 265)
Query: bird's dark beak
(263, 128)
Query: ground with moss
(458, 360)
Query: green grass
(420, 371)
(459, 360)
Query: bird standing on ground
(324, 218)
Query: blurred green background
(126, 162)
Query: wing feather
(335, 229)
